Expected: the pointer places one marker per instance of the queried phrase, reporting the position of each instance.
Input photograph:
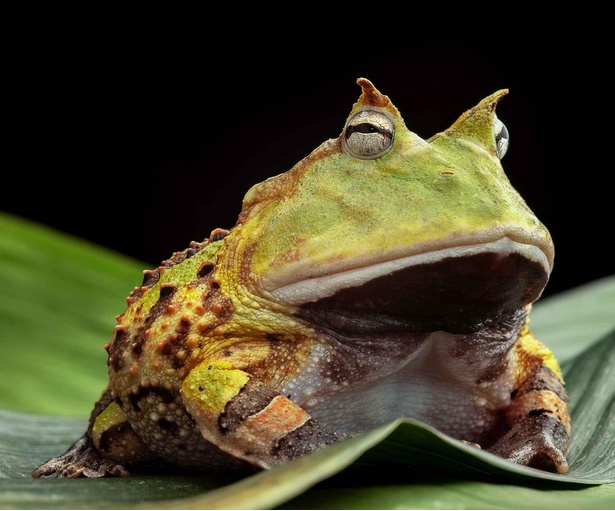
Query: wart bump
(205, 269)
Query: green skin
(382, 276)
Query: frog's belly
(442, 392)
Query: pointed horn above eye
(372, 96)
(481, 116)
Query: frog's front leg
(537, 418)
(247, 419)
(108, 444)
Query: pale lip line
(322, 286)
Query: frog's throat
(323, 286)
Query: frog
(383, 276)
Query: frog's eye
(368, 135)
(501, 138)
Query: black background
(144, 142)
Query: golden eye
(368, 135)
(501, 138)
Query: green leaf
(59, 298)
(571, 321)
(448, 494)
(57, 308)
(27, 439)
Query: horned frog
(383, 276)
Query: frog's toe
(542, 458)
(80, 460)
(66, 469)
(537, 452)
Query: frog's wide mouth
(459, 285)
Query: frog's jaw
(317, 288)
(456, 288)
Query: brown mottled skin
(383, 276)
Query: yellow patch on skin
(213, 386)
(109, 417)
(528, 351)
(126, 446)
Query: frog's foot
(81, 459)
(539, 444)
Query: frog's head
(382, 227)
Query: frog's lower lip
(480, 280)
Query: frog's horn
(372, 98)
(477, 123)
